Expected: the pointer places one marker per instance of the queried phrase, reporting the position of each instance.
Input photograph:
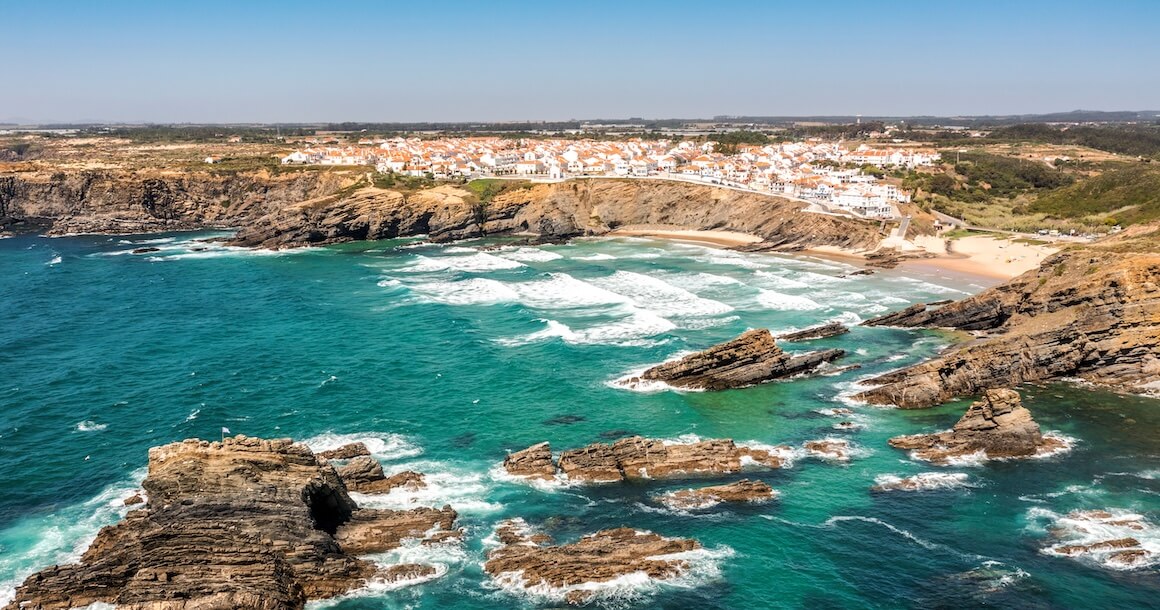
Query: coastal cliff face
(1090, 312)
(245, 523)
(303, 208)
(552, 212)
(122, 201)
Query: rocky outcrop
(365, 475)
(706, 497)
(142, 201)
(553, 212)
(831, 329)
(1108, 539)
(834, 449)
(245, 523)
(573, 572)
(535, 462)
(635, 458)
(1089, 312)
(997, 426)
(752, 358)
(346, 452)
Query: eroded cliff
(1091, 312)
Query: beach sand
(716, 238)
(982, 256)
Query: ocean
(443, 358)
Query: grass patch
(1125, 196)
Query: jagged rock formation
(365, 475)
(535, 462)
(1105, 538)
(831, 329)
(346, 452)
(246, 523)
(123, 201)
(573, 571)
(998, 426)
(554, 212)
(639, 458)
(1090, 312)
(835, 449)
(752, 358)
(706, 497)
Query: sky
(498, 60)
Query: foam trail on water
(383, 446)
(659, 296)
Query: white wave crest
(659, 296)
(1114, 539)
(473, 263)
(383, 446)
(472, 291)
(90, 426)
(786, 302)
(530, 255)
(444, 485)
(922, 481)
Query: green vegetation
(485, 189)
(985, 176)
(729, 143)
(1129, 195)
(400, 182)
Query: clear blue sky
(290, 61)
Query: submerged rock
(245, 523)
(1105, 538)
(706, 497)
(923, 481)
(997, 426)
(573, 572)
(636, 457)
(346, 452)
(829, 449)
(832, 329)
(752, 358)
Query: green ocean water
(444, 358)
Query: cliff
(246, 523)
(140, 201)
(1090, 312)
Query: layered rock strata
(706, 497)
(1089, 312)
(749, 359)
(245, 523)
(365, 475)
(831, 329)
(636, 457)
(998, 426)
(575, 571)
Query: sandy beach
(716, 238)
(982, 256)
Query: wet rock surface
(832, 329)
(365, 475)
(245, 523)
(346, 452)
(706, 497)
(639, 458)
(749, 359)
(574, 571)
(997, 426)
(1089, 312)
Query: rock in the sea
(636, 457)
(998, 426)
(346, 452)
(245, 523)
(752, 358)
(831, 329)
(835, 449)
(920, 482)
(573, 572)
(706, 497)
(365, 475)
(535, 462)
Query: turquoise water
(444, 358)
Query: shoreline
(725, 239)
